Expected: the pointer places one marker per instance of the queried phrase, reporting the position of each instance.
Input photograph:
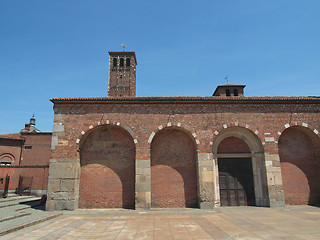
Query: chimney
(27, 127)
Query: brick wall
(107, 169)
(300, 166)
(203, 123)
(173, 170)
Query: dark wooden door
(236, 182)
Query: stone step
(14, 198)
(35, 216)
(7, 218)
(18, 201)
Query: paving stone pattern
(294, 223)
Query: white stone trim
(151, 137)
(316, 131)
(247, 125)
(194, 135)
(216, 132)
(135, 141)
(160, 127)
(78, 141)
(197, 142)
(305, 124)
(256, 132)
(169, 124)
(118, 123)
(287, 125)
(225, 125)
(90, 127)
(279, 133)
(179, 124)
(83, 132)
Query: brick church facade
(124, 151)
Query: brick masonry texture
(152, 125)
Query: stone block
(143, 164)
(204, 156)
(143, 186)
(143, 200)
(57, 127)
(206, 176)
(67, 185)
(64, 205)
(54, 142)
(206, 205)
(63, 195)
(53, 185)
(50, 205)
(57, 117)
(63, 170)
(143, 171)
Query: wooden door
(236, 182)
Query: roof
(228, 85)
(200, 100)
(11, 135)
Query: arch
(115, 62)
(107, 160)
(256, 155)
(235, 92)
(299, 151)
(121, 62)
(7, 159)
(176, 126)
(128, 62)
(173, 169)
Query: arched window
(235, 92)
(227, 92)
(115, 62)
(128, 62)
(121, 62)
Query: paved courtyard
(296, 222)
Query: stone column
(205, 180)
(275, 185)
(143, 184)
(63, 184)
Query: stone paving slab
(289, 223)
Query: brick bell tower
(122, 74)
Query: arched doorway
(299, 150)
(239, 159)
(107, 158)
(173, 170)
(235, 173)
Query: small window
(121, 62)
(115, 62)
(128, 62)
(235, 92)
(227, 92)
(27, 147)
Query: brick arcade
(124, 151)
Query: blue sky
(59, 48)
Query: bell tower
(122, 74)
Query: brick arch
(178, 126)
(7, 157)
(86, 131)
(297, 124)
(256, 153)
(299, 151)
(173, 169)
(107, 159)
